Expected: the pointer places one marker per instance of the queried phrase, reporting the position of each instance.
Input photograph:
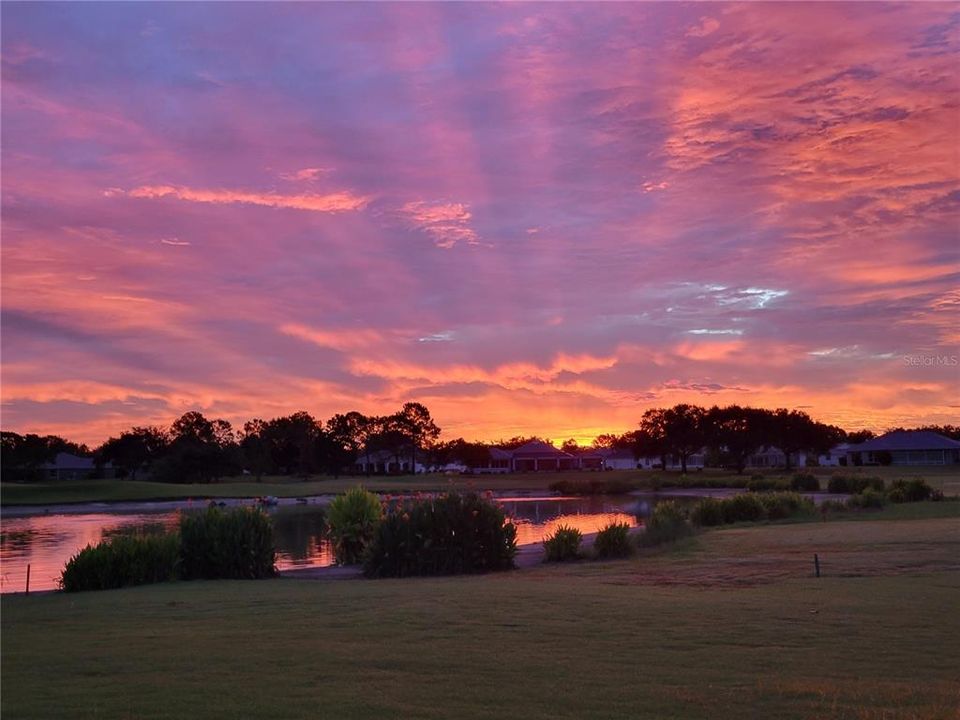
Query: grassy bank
(729, 624)
(50, 493)
(125, 490)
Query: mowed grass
(729, 624)
(50, 493)
(946, 479)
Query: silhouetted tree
(735, 433)
(255, 447)
(414, 420)
(134, 450)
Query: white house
(835, 456)
(906, 447)
(614, 459)
(696, 461)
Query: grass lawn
(50, 493)
(729, 624)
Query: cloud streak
(337, 202)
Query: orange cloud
(446, 223)
(343, 201)
(343, 339)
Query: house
(66, 466)
(537, 456)
(499, 462)
(589, 459)
(614, 459)
(386, 462)
(906, 447)
(695, 461)
(774, 457)
(835, 456)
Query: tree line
(197, 449)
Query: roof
(538, 448)
(500, 454)
(68, 461)
(907, 440)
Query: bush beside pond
(447, 535)
(594, 486)
(853, 484)
(613, 541)
(217, 543)
(562, 545)
(750, 507)
(352, 521)
(668, 523)
(123, 561)
(235, 543)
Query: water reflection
(47, 542)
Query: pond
(46, 542)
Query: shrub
(563, 545)
(236, 543)
(853, 484)
(869, 498)
(121, 561)
(707, 512)
(613, 541)
(743, 508)
(667, 524)
(352, 520)
(595, 486)
(805, 482)
(904, 491)
(446, 535)
(780, 505)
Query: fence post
(816, 564)
(28, 579)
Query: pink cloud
(446, 223)
(343, 201)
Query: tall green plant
(613, 541)
(562, 545)
(667, 524)
(352, 521)
(235, 543)
(447, 535)
(121, 561)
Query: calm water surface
(48, 541)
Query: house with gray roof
(66, 466)
(906, 447)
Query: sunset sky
(538, 218)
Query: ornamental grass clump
(707, 512)
(562, 545)
(853, 484)
(668, 523)
(236, 543)
(613, 542)
(122, 561)
(782, 505)
(869, 499)
(352, 522)
(445, 535)
(905, 491)
(743, 508)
